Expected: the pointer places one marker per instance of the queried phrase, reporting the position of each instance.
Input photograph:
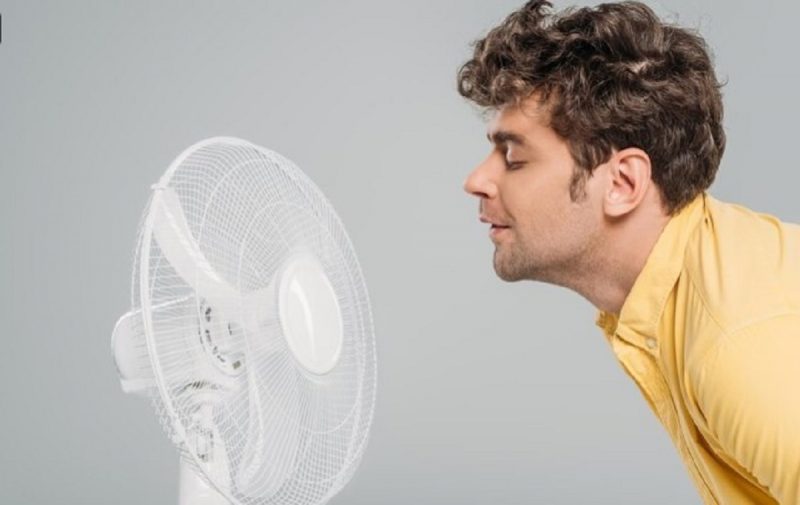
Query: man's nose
(479, 183)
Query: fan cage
(325, 419)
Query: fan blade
(130, 354)
(270, 442)
(174, 237)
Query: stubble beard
(516, 261)
(519, 260)
(513, 263)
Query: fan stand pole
(195, 491)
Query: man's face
(539, 232)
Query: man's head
(600, 114)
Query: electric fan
(250, 329)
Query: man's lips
(494, 223)
(497, 228)
(497, 231)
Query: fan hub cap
(310, 314)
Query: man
(607, 132)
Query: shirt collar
(641, 311)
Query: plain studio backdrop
(489, 393)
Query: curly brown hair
(611, 77)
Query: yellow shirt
(710, 333)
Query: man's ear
(628, 181)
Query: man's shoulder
(743, 264)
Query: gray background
(488, 392)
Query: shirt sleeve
(749, 392)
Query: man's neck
(607, 278)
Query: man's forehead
(515, 123)
(509, 128)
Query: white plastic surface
(193, 490)
(310, 314)
(127, 341)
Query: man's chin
(504, 276)
(507, 273)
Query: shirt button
(651, 343)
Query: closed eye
(514, 165)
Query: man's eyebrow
(504, 137)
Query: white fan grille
(280, 434)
